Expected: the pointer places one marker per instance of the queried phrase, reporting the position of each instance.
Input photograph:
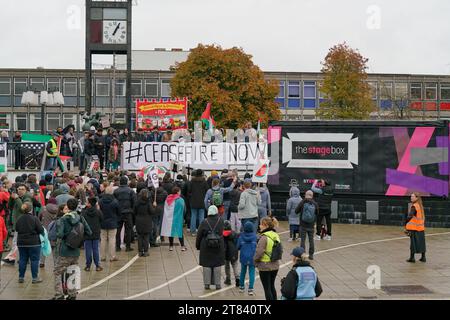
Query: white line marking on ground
(172, 281)
(112, 275)
(164, 284)
(324, 251)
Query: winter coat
(299, 211)
(143, 211)
(89, 147)
(48, 214)
(111, 156)
(292, 204)
(210, 192)
(261, 252)
(15, 205)
(94, 218)
(126, 198)
(99, 142)
(161, 196)
(265, 206)
(247, 244)
(210, 257)
(230, 239)
(325, 194)
(63, 227)
(3, 233)
(225, 183)
(28, 228)
(235, 196)
(248, 204)
(197, 189)
(110, 210)
(4, 199)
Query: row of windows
(32, 122)
(383, 90)
(71, 86)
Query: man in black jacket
(196, 192)
(161, 196)
(99, 141)
(325, 191)
(89, 149)
(126, 198)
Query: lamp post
(49, 99)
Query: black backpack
(289, 285)
(212, 238)
(75, 238)
(277, 250)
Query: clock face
(114, 31)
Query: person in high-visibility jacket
(415, 226)
(52, 152)
(266, 263)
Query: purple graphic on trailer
(413, 152)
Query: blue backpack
(52, 231)
(308, 215)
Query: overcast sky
(398, 36)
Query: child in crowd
(231, 253)
(247, 246)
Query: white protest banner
(198, 155)
(260, 171)
(3, 158)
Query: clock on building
(114, 31)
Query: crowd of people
(231, 219)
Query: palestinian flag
(172, 223)
(207, 119)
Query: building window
(294, 89)
(165, 89)
(5, 86)
(281, 90)
(151, 87)
(5, 122)
(445, 91)
(431, 91)
(120, 117)
(373, 85)
(35, 122)
(416, 91)
(70, 87)
(69, 119)
(82, 87)
(53, 121)
(309, 90)
(37, 84)
(20, 86)
(101, 87)
(386, 91)
(136, 88)
(20, 122)
(53, 84)
(401, 90)
(120, 87)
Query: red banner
(161, 115)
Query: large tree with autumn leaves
(345, 85)
(229, 80)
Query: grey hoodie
(294, 200)
(248, 204)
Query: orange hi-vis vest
(417, 223)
